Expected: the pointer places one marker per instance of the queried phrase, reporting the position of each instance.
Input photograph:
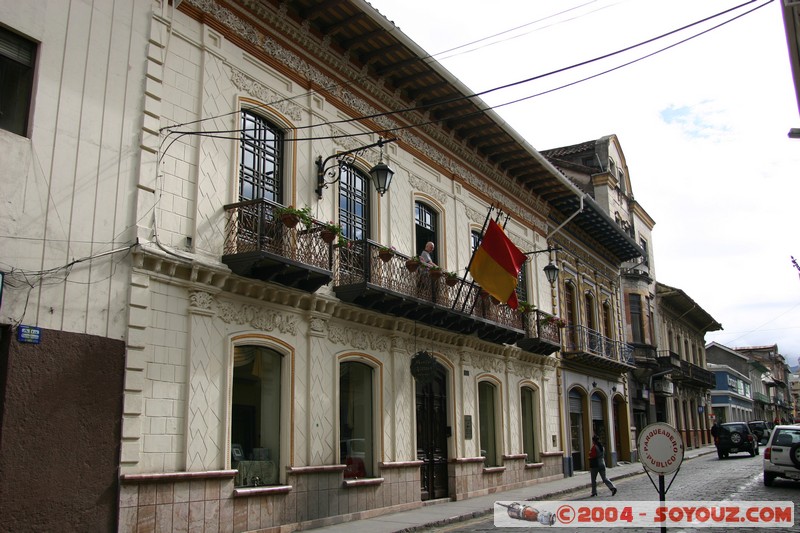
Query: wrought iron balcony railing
(259, 245)
(388, 281)
(696, 374)
(591, 346)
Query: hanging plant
(330, 231)
(413, 264)
(292, 216)
(386, 253)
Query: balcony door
(426, 230)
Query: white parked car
(782, 454)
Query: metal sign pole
(662, 497)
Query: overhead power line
(223, 134)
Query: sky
(703, 126)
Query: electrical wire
(212, 133)
(224, 134)
(353, 81)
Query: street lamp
(551, 270)
(381, 174)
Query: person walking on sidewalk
(597, 465)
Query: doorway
(432, 433)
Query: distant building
(731, 398)
(775, 379)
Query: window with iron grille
(354, 208)
(260, 161)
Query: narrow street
(736, 479)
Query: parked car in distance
(735, 437)
(782, 454)
(761, 430)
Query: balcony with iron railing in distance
(591, 347)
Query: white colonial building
(256, 374)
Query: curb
(484, 512)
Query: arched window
(590, 323)
(487, 405)
(608, 324)
(570, 316)
(427, 228)
(637, 324)
(354, 204)
(260, 159)
(356, 439)
(256, 415)
(530, 445)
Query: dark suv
(735, 437)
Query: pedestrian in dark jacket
(597, 465)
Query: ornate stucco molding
(261, 92)
(358, 339)
(257, 317)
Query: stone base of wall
(470, 478)
(313, 497)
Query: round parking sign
(660, 448)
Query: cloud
(699, 121)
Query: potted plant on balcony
(291, 216)
(386, 253)
(435, 272)
(553, 321)
(526, 307)
(450, 278)
(413, 264)
(330, 231)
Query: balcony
(695, 375)
(589, 346)
(387, 285)
(668, 360)
(644, 354)
(761, 397)
(258, 245)
(541, 335)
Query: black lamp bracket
(555, 249)
(348, 157)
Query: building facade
(262, 373)
(682, 325)
(600, 168)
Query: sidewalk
(448, 512)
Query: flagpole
(464, 277)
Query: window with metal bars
(354, 205)
(261, 159)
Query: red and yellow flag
(496, 265)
